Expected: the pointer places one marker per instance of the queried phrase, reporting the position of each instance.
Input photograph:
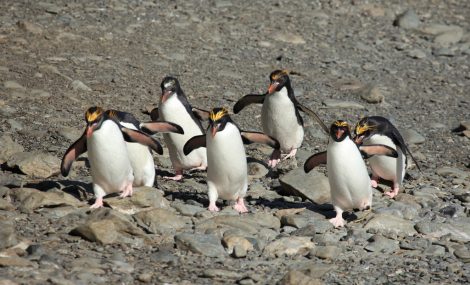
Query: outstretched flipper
(142, 138)
(256, 137)
(201, 114)
(72, 153)
(314, 116)
(315, 160)
(161, 127)
(194, 143)
(247, 100)
(377, 149)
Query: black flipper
(154, 114)
(142, 138)
(377, 149)
(194, 143)
(314, 116)
(201, 114)
(124, 117)
(72, 153)
(247, 100)
(315, 160)
(161, 127)
(256, 137)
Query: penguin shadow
(81, 190)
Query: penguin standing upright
(140, 155)
(280, 115)
(174, 107)
(227, 175)
(379, 130)
(347, 172)
(104, 140)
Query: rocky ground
(405, 60)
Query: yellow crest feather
(279, 74)
(217, 116)
(341, 124)
(93, 113)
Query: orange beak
(339, 133)
(89, 131)
(214, 130)
(272, 87)
(165, 95)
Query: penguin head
(365, 128)
(218, 118)
(339, 130)
(94, 117)
(170, 85)
(279, 79)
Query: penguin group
(120, 147)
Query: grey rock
(295, 277)
(387, 223)
(13, 85)
(326, 252)
(221, 273)
(372, 94)
(435, 250)
(443, 52)
(29, 199)
(239, 243)
(71, 134)
(30, 27)
(412, 137)
(462, 252)
(307, 231)
(452, 172)
(35, 164)
(207, 245)
(458, 230)
(449, 37)
(416, 53)
(382, 244)
(294, 221)
(332, 103)
(77, 85)
(187, 210)
(250, 223)
(159, 221)
(257, 170)
(407, 20)
(289, 246)
(9, 148)
(289, 38)
(314, 186)
(7, 234)
(107, 226)
(15, 262)
(164, 256)
(6, 205)
(142, 199)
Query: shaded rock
(288, 212)
(416, 53)
(462, 252)
(382, 244)
(372, 95)
(30, 27)
(249, 224)
(187, 210)
(307, 231)
(237, 245)
(15, 262)
(108, 226)
(412, 137)
(257, 170)
(435, 250)
(332, 103)
(35, 164)
(221, 273)
(407, 20)
(452, 172)
(314, 186)
(207, 245)
(443, 52)
(159, 221)
(393, 224)
(7, 234)
(80, 86)
(326, 252)
(143, 198)
(458, 230)
(9, 148)
(164, 256)
(29, 199)
(295, 277)
(294, 221)
(289, 246)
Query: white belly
(227, 167)
(348, 177)
(279, 120)
(174, 111)
(107, 152)
(142, 164)
(388, 168)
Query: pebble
(159, 221)
(208, 245)
(443, 52)
(35, 164)
(9, 148)
(289, 38)
(372, 95)
(435, 250)
(462, 252)
(416, 53)
(165, 256)
(332, 103)
(80, 86)
(412, 137)
(289, 246)
(294, 277)
(239, 243)
(449, 37)
(314, 186)
(379, 243)
(15, 262)
(407, 20)
(326, 252)
(13, 85)
(257, 170)
(30, 27)
(221, 273)
(294, 221)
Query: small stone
(372, 95)
(231, 242)
(221, 273)
(294, 277)
(450, 37)
(239, 251)
(412, 137)
(7, 234)
(80, 86)
(462, 252)
(187, 210)
(443, 52)
(207, 245)
(314, 186)
(29, 199)
(30, 27)
(435, 250)
(289, 246)
(307, 231)
(15, 262)
(452, 172)
(382, 244)
(159, 221)
(294, 221)
(289, 38)
(35, 164)
(287, 212)
(326, 252)
(145, 277)
(416, 53)
(13, 85)
(144, 197)
(8, 148)
(341, 104)
(407, 20)
(257, 170)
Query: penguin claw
(392, 193)
(240, 206)
(213, 208)
(273, 162)
(373, 183)
(98, 203)
(337, 221)
(291, 154)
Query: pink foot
(98, 203)
(338, 221)
(374, 181)
(202, 167)
(291, 154)
(240, 206)
(394, 191)
(275, 158)
(127, 191)
(213, 207)
(178, 176)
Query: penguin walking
(280, 115)
(104, 140)
(347, 172)
(379, 130)
(227, 175)
(140, 155)
(174, 107)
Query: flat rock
(221, 273)
(15, 262)
(393, 224)
(382, 244)
(462, 252)
(458, 230)
(449, 37)
(332, 103)
(107, 226)
(77, 85)
(452, 172)
(143, 198)
(295, 277)
(35, 164)
(9, 148)
(30, 27)
(326, 251)
(257, 170)
(29, 199)
(412, 137)
(372, 94)
(187, 210)
(237, 245)
(313, 186)
(295, 221)
(289, 38)
(289, 246)
(159, 221)
(7, 234)
(208, 245)
(10, 84)
(250, 223)
(416, 53)
(407, 20)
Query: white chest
(388, 168)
